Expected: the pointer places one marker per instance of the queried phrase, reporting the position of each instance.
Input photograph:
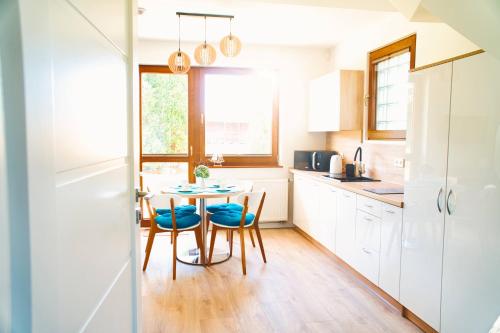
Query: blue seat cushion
(224, 206)
(182, 208)
(183, 220)
(231, 218)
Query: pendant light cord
(179, 31)
(230, 23)
(205, 31)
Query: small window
(388, 89)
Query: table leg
(193, 256)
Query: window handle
(191, 151)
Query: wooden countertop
(357, 187)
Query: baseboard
(373, 288)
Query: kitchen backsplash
(378, 156)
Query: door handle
(365, 250)
(313, 160)
(438, 201)
(448, 208)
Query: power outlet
(399, 162)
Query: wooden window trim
(375, 56)
(196, 130)
(249, 161)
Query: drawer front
(370, 205)
(368, 245)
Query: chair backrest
(161, 200)
(255, 202)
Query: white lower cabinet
(327, 216)
(363, 232)
(390, 249)
(346, 226)
(367, 251)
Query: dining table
(192, 256)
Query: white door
(346, 226)
(327, 215)
(76, 94)
(471, 265)
(425, 188)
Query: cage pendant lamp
(230, 46)
(179, 62)
(205, 53)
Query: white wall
(435, 42)
(296, 66)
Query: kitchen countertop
(357, 187)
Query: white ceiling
(321, 23)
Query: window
(238, 114)
(164, 114)
(388, 89)
(185, 118)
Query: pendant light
(230, 46)
(179, 62)
(205, 53)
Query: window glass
(238, 114)
(164, 113)
(392, 92)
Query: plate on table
(185, 191)
(223, 190)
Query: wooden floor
(300, 289)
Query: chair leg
(251, 236)
(174, 256)
(149, 246)
(230, 242)
(261, 244)
(212, 243)
(242, 242)
(199, 241)
(227, 234)
(171, 237)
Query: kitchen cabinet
(327, 216)
(471, 262)
(367, 251)
(336, 101)
(346, 226)
(299, 203)
(450, 255)
(315, 210)
(425, 189)
(390, 249)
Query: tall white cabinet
(450, 265)
(471, 263)
(425, 190)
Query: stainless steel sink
(352, 179)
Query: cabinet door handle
(365, 250)
(438, 200)
(448, 208)
(369, 206)
(368, 219)
(390, 211)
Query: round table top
(209, 192)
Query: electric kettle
(336, 165)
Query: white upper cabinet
(425, 188)
(471, 263)
(336, 101)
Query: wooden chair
(176, 219)
(247, 186)
(239, 221)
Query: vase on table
(201, 182)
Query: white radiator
(276, 203)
